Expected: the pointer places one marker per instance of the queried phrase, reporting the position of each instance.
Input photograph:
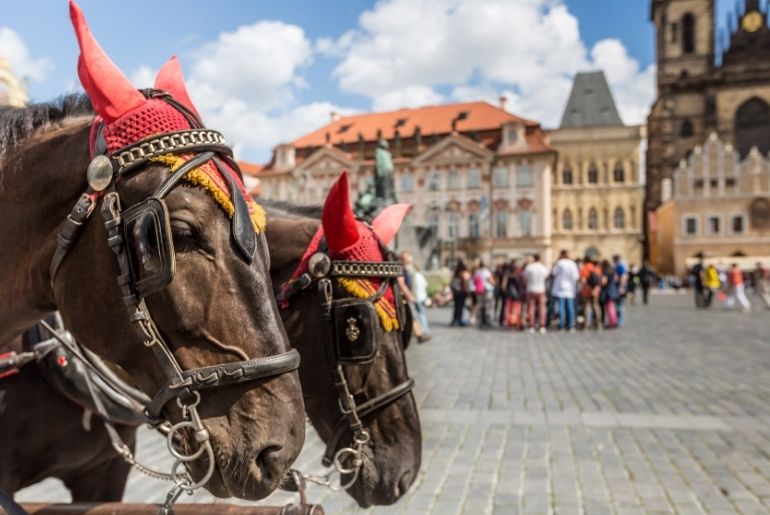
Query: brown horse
(217, 310)
(390, 460)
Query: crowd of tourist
(525, 294)
(728, 285)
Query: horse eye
(184, 235)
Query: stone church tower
(706, 83)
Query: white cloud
(245, 83)
(410, 96)
(528, 49)
(13, 48)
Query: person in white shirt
(564, 288)
(535, 275)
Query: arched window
(619, 174)
(473, 225)
(593, 219)
(686, 130)
(566, 175)
(566, 220)
(593, 174)
(688, 33)
(752, 127)
(453, 226)
(619, 218)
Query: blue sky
(269, 71)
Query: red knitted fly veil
(353, 240)
(129, 117)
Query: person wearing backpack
(484, 287)
(459, 287)
(515, 292)
(591, 280)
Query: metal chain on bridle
(155, 273)
(347, 461)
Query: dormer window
(284, 156)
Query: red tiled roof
(252, 169)
(435, 119)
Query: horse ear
(338, 221)
(388, 222)
(170, 79)
(111, 93)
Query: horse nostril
(403, 484)
(269, 459)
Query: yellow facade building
(597, 189)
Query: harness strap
(11, 362)
(220, 375)
(365, 409)
(70, 230)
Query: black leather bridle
(348, 319)
(141, 240)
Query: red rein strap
(12, 371)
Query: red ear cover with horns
(110, 91)
(338, 220)
(170, 79)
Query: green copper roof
(590, 104)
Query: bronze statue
(381, 191)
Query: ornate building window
(688, 33)
(686, 130)
(619, 218)
(500, 177)
(525, 222)
(434, 215)
(752, 127)
(501, 224)
(593, 219)
(714, 224)
(473, 225)
(736, 224)
(593, 173)
(690, 224)
(453, 180)
(474, 178)
(434, 181)
(619, 174)
(407, 182)
(453, 226)
(566, 220)
(524, 176)
(566, 175)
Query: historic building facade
(707, 83)
(597, 189)
(716, 205)
(478, 176)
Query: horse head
(192, 268)
(344, 312)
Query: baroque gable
(327, 160)
(453, 149)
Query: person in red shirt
(736, 289)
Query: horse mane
(288, 209)
(18, 123)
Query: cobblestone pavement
(670, 414)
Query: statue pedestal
(417, 240)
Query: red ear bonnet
(388, 222)
(339, 223)
(111, 93)
(170, 79)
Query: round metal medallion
(319, 265)
(99, 173)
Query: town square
(387, 256)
